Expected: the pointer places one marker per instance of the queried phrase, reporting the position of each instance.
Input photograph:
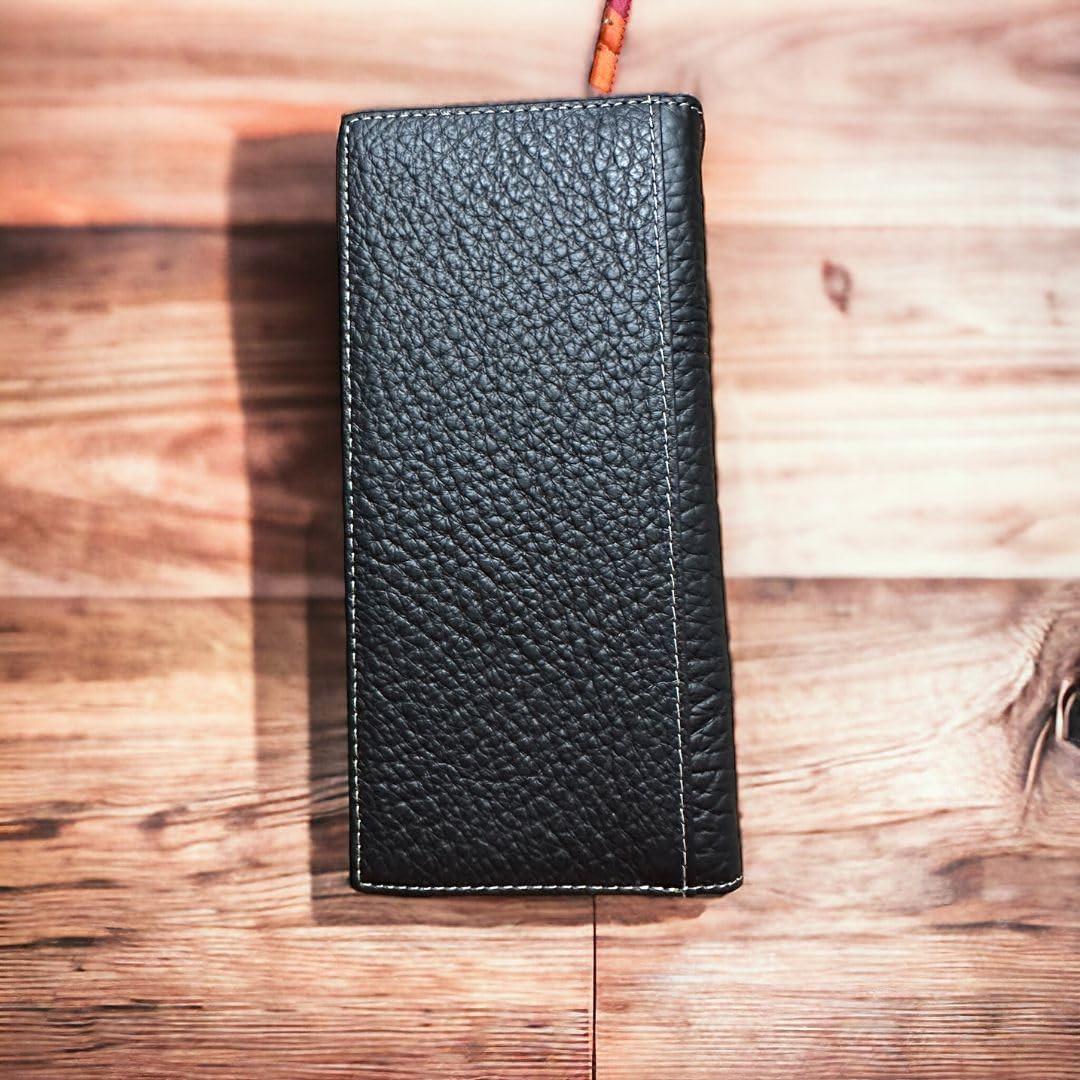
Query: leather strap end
(609, 44)
(602, 75)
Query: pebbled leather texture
(539, 683)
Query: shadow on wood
(283, 293)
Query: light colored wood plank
(923, 421)
(912, 850)
(819, 111)
(171, 414)
(996, 1004)
(161, 392)
(394, 1002)
(173, 869)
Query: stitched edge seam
(497, 109)
(670, 889)
(350, 545)
(648, 101)
(667, 477)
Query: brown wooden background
(893, 198)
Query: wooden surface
(894, 248)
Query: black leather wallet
(539, 683)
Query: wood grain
(383, 1002)
(174, 395)
(819, 111)
(912, 850)
(893, 251)
(926, 422)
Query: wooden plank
(173, 872)
(819, 111)
(171, 417)
(171, 410)
(390, 1001)
(997, 1003)
(912, 850)
(897, 403)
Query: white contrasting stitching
(556, 106)
(349, 522)
(669, 889)
(349, 532)
(667, 468)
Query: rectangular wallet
(539, 685)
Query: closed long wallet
(539, 683)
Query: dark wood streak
(30, 829)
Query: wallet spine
(713, 858)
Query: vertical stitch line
(353, 704)
(667, 472)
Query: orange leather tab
(602, 75)
(612, 29)
(609, 44)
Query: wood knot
(838, 284)
(1044, 717)
(1068, 712)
